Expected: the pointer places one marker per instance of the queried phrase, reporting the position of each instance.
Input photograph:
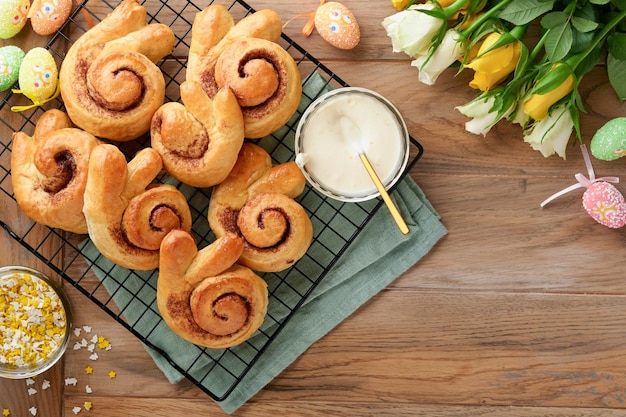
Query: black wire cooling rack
(130, 296)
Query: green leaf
(559, 41)
(520, 12)
(616, 69)
(617, 45)
(553, 19)
(555, 77)
(599, 1)
(583, 25)
(620, 4)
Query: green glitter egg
(38, 75)
(11, 58)
(609, 142)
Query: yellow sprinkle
(6, 412)
(112, 374)
(89, 370)
(88, 405)
(102, 342)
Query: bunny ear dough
(609, 142)
(203, 296)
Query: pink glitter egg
(605, 204)
(337, 25)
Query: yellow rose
(537, 105)
(400, 4)
(494, 66)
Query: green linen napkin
(378, 255)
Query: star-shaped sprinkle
(112, 374)
(89, 370)
(102, 342)
(6, 412)
(88, 405)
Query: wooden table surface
(518, 311)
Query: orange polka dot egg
(337, 25)
(47, 16)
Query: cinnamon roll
(214, 30)
(264, 66)
(109, 82)
(49, 172)
(265, 80)
(204, 296)
(200, 140)
(256, 201)
(127, 214)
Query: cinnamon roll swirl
(109, 82)
(49, 172)
(264, 77)
(203, 296)
(256, 201)
(200, 140)
(127, 215)
(266, 81)
(214, 30)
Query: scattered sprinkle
(71, 381)
(45, 384)
(91, 347)
(83, 342)
(87, 329)
(6, 412)
(77, 346)
(89, 370)
(88, 389)
(88, 405)
(30, 381)
(103, 343)
(33, 410)
(32, 391)
(94, 338)
(76, 410)
(112, 374)
(94, 356)
(77, 331)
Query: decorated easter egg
(336, 25)
(605, 204)
(609, 142)
(13, 16)
(39, 75)
(47, 16)
(10, 61)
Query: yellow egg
(337, 25)
(13, 16)
(47, 16)
(39, 75)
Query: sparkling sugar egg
(11, 58)
(38, 75)
(13, 16)
(47, 16)
(609, 142)
(605, 204)
(337, 25)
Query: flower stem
(454, 7)
(485, 16)
(574, 60)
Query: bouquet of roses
(535, 87)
